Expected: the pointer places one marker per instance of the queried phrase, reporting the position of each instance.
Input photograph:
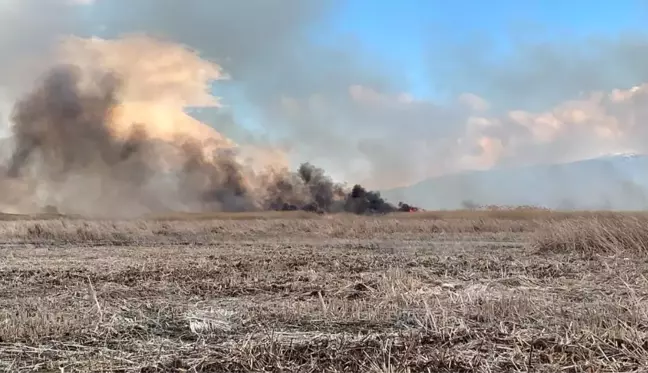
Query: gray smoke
(63, 134)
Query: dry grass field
(466, 291)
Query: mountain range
(610, 182)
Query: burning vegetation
(328, 197)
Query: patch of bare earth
(433, 293)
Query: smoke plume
(91, 138)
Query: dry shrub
(605, 234)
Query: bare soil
(432, 292)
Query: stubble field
(468, 291)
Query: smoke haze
(107, 117)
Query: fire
(404, 207)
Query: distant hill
(612, 182)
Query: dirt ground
(296, 293)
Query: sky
(386, 93)
(409, 31)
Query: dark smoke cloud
(63, 132)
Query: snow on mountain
(610, 182)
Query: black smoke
(328, 197)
